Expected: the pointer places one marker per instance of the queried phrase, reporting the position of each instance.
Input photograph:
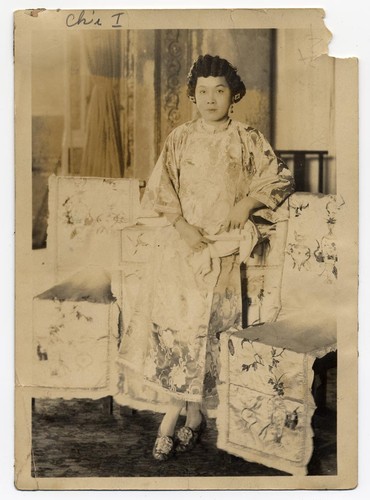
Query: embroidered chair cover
(86, 215)
(76, 322)
(266, 399)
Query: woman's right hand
(192, 235)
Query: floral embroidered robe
(171, 344)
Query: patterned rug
(79, 438)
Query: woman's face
(213, 98)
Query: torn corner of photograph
(186, 244)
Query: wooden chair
(301, 162)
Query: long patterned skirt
(171, 347)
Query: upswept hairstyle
(209, 65)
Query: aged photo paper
(186, 246)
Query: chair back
(86, 215)
(311, 255)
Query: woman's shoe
(163, 448)
(186, 437)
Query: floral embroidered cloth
(85, 214)
(171, 346)
(310, 271)
(76, 322)
(75, 336)
(311, 264)
(266, 401)
(266, 404)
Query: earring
(231, 109)
(192, 98)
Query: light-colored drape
(103, 155)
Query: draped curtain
(103, 152)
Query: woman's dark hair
(208, 65)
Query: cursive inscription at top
(85, 19)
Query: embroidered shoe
(186, 437)
(163, 448)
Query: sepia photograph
(186, 278)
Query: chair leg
(244, 294)
(108, 405)
(319, 388)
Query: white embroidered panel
(75, 336)
(73, 343)
(311, 263)
(136, 245)
(86, 215)
(266, 404)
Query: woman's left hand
(240, 213)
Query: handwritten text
(85, 19)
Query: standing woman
(211, 176)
